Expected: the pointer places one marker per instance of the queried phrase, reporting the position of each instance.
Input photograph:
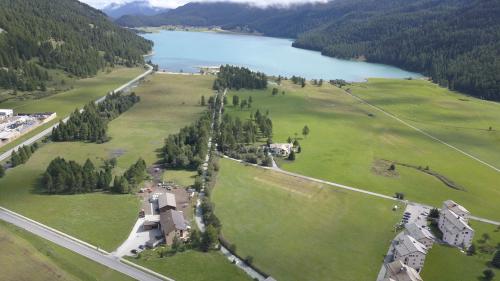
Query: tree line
(188, 148)
(131, 178)
(22, 155)
(91, 123)
(299, 80)
(69, 177)
(234, 77)
(60, 34)
(234, 131)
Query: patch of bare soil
(384, 168)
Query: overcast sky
(176, 3)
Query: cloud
(177, 3)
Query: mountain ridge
(141, 7)
(427, 36)
(60, 34)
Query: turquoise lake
(184, 51)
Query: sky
(175, 3)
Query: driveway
(138, 236)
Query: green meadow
(28, 257)
(167, 104)
(192, 266)
(459, 120)
(84, 91)
(298, 230)
(348, 139)
(446, 263)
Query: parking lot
(415, 213)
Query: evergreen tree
(236, 100)
(305, 131)
(209, 238)
(496, 259)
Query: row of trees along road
(22, 155)
(91, 124)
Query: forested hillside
(60, 34)
(455, 42)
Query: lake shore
(215, 29)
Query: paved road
(352, 188)
(47, 131)
(79, 247)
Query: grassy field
(298, 230)
(27, 257)
(85, 90)
(347, 138)
(459, 120)
(167, 104)
(445, 263)
(193, 266)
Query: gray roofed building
(398, 271)
(457, 209)
(421, 234)
(173, 224)
(410, 251)
(166, 201)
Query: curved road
(279, 170)
(80, 247)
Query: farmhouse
(166, 201)
(398, 271)
(453, 223)
(281, 149)
(173, 224)
(410, 252)
(421, 234)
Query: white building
(420, 233)
(5, 113)
(281, 149)
(410, 252)
(398, 271)
(453, 223)
(457, 209)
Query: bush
(488, 274)
(249, 260)
(434, 213)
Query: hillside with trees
(60, 34)
(454, 42)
